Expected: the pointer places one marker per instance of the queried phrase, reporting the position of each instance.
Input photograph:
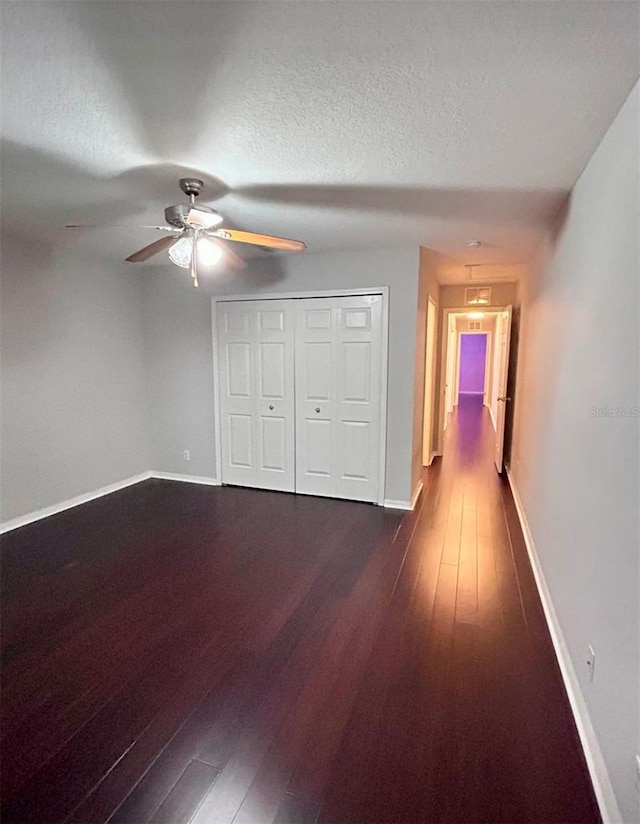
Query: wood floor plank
(187, 793)
(184, 653)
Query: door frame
(323, 293)
(458, 310)
(430, 372)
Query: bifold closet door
(338, 392)
(257, 409)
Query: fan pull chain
(194, 258)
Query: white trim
(217, 415)
(314, 293)
(430, 372)
(416, 494)
(325, 293)
(493, 420)
(188, 479)
(46, 512)
(384, 393)
(595, 760)
(390, 503)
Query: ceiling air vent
(475, 325)
(477, 295)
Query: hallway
(475, 725)
(184, 653)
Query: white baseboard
(593, 754)
(416, 494)
(38, 514)
(431, 457)
(30, 517)
(188, 479)
(390, 503)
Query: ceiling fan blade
(118, 226)
(152, 249)
(203, 219)
(83, 226)
(271, 242)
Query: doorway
(474, 368)
(473, 352)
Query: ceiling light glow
(208, 253)
(475, 315)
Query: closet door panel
(256, 343)
(338, 372)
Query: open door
(450, 396)
(503, 368)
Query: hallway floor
(176, 653)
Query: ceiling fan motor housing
(177, 215)
(191, 186)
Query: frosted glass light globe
(180, 252)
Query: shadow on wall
(75, 194)
(503, 205)
(168, 116)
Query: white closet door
(338, 390)
(256, 350)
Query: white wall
(577, 473)
(73, 398)
(178, 357)
(178, 360)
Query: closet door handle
(317, 408)
(271, 407)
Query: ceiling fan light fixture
(204, 217)
(180, 252)
(209, 253)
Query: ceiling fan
(198, 227)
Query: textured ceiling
(343, 124)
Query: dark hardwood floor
(177, 653)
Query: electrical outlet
(186, 455)
(591, 663)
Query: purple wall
(473, 352)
